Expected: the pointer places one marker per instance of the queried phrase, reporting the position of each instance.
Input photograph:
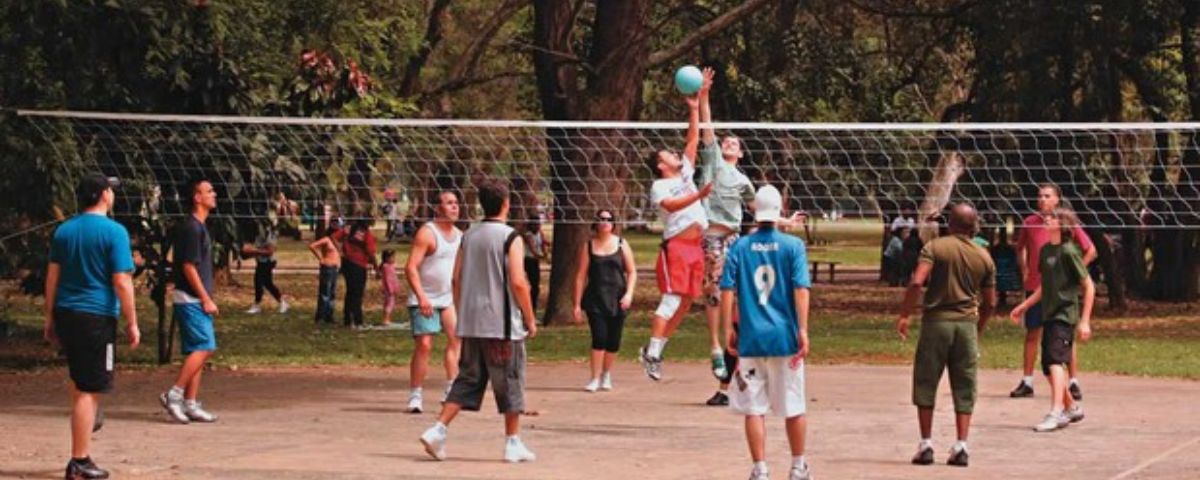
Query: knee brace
(668, 305)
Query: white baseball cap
(767, 204)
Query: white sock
(416, 392)
(513, 440)
(1056, 412)
(925, 443)
(798, 462)
(717, 352)
(1028, 380)
(189, 403)
(960, 446)
(441, 427)
(657, 344)
(1074, 382)
(760, 467)
(175, 392)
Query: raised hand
(707, 83)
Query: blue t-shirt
(89, 249)
(764, 269)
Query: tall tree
(590, 60)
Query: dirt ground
(347, 422)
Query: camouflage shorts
(716, 247)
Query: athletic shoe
(283, 306)
(924, 456)
(958, 457)
(254, 309)
(86, 468)
(718, 399)
(1075, 413)
(196, 413)
(651, 365)
(606, 382)
(1076, 393)
(174, 406)
(592, 386)
(1052, 422)
(756, 474)
(1023, 390)
(516, 451)
(434, 441)
(98, 423)
(718, 366)
(415, 403)
(800, 473)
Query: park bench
(816, 264)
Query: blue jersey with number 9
(764, 269)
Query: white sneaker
(756, 474)
(1052, 422)
(515, 451)
(196, 413)
(1075, 413)
(283, 306)
(434, 441)
(415, 403)
(592, 386)
(254, 309)
(800, 473)
(174, 406)
(606, 382)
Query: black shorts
(1058, 338)
(88, 341)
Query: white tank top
(437, 270)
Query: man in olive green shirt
(1065, 281)
(958, 303)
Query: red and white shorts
(680, 267)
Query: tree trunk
(1107, 259)
(611, 94)
(950, 166)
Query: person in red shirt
(358, 253)
(1030, 239)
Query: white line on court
(1152, 461)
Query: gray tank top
(484, 294)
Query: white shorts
(768, 385)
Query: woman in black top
(608, 272)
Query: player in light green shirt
(731, 189)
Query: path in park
(347, 422)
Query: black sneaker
(84, 469)
(924, 456)
(98, 423)
(1076, 393)
(1023, 390)
(718, 399)
(958, 458)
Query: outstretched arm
(675, 204)
(708, 135)
(693, 131)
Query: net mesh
(291, 169)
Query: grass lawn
(851, 323)
(853, 243)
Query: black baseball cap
(93, 185)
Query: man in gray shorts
(491, 294)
